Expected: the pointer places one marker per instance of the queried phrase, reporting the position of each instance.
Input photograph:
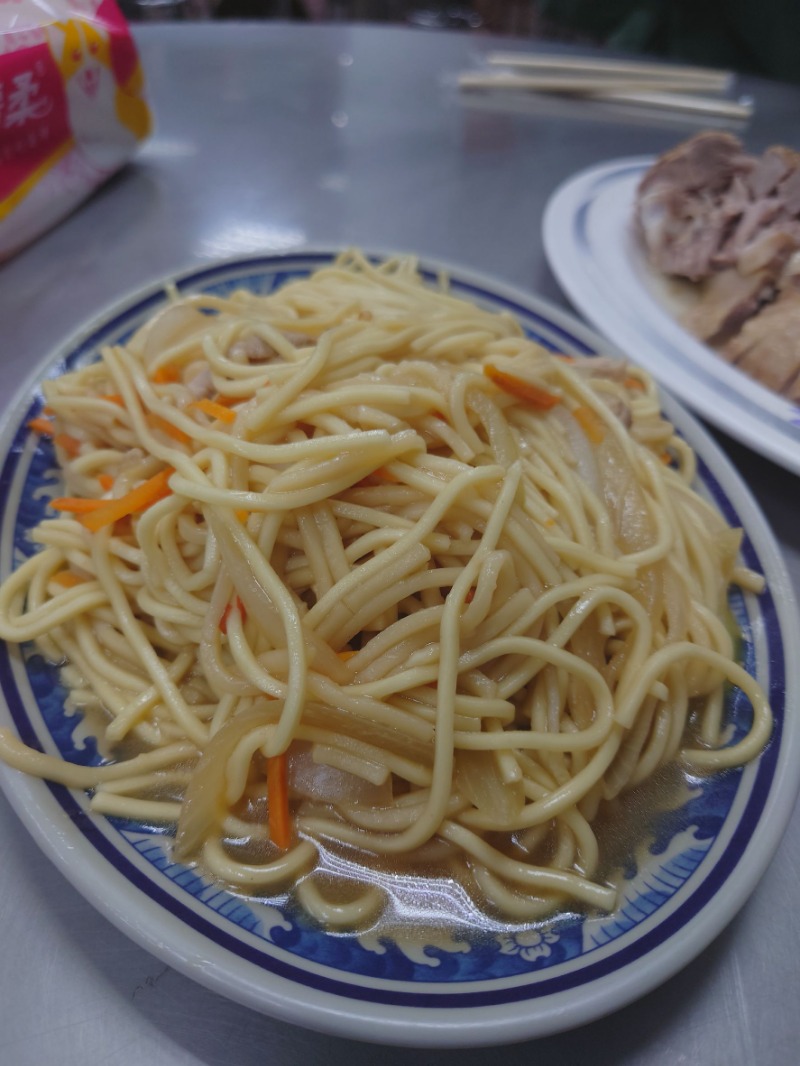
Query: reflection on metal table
(270, 138)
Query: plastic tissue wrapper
(72, 109)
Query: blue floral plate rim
(530, 984)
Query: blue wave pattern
(299, 936)
(186, 878)
(653, 890)
(43, 482)
(703, 814)
(489, 956)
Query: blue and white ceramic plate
(485, 982)
(593, 250)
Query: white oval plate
(594, 253)
(490, 983)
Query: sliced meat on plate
(768, 346)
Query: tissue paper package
(72, 109)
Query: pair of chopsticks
(680, 88)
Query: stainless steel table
(270, 137)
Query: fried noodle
(464, 583)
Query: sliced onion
(624, 498)
(583, 451)
(168, 328)
(479, 779)
(203, 804)
(256, 599)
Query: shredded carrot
(227, 401)
(526, 391)
(470, 596)
(387, 475)
(666, 458)
(590, 423)
(112, 397)
(345, 654)
(242, 515)
(106, 482)
(237, 603)
(43, 426)
(68, 579)
(138, 499)
(170, 429)
(48, 410)
(280, 825)
(379, 476)
(633, 383)
(165, 375)
(70, 444)
(214, 410)
(76, 504)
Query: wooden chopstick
(580, 84)
(698, 105)
(664, 96)
(714, 79)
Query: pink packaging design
(72, 109)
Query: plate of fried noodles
(380, 655)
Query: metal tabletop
(272, 137)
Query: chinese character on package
(72, 109)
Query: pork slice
(776, 243)
(770, 169)
(788, 193)
(690, 232)
(774, 212)
(790, 156)
(754, 219)
(728, 300)
(686, 201)
(768, 346)
(729, 297)
(706, 161)
(730, 208)
(790, 275)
